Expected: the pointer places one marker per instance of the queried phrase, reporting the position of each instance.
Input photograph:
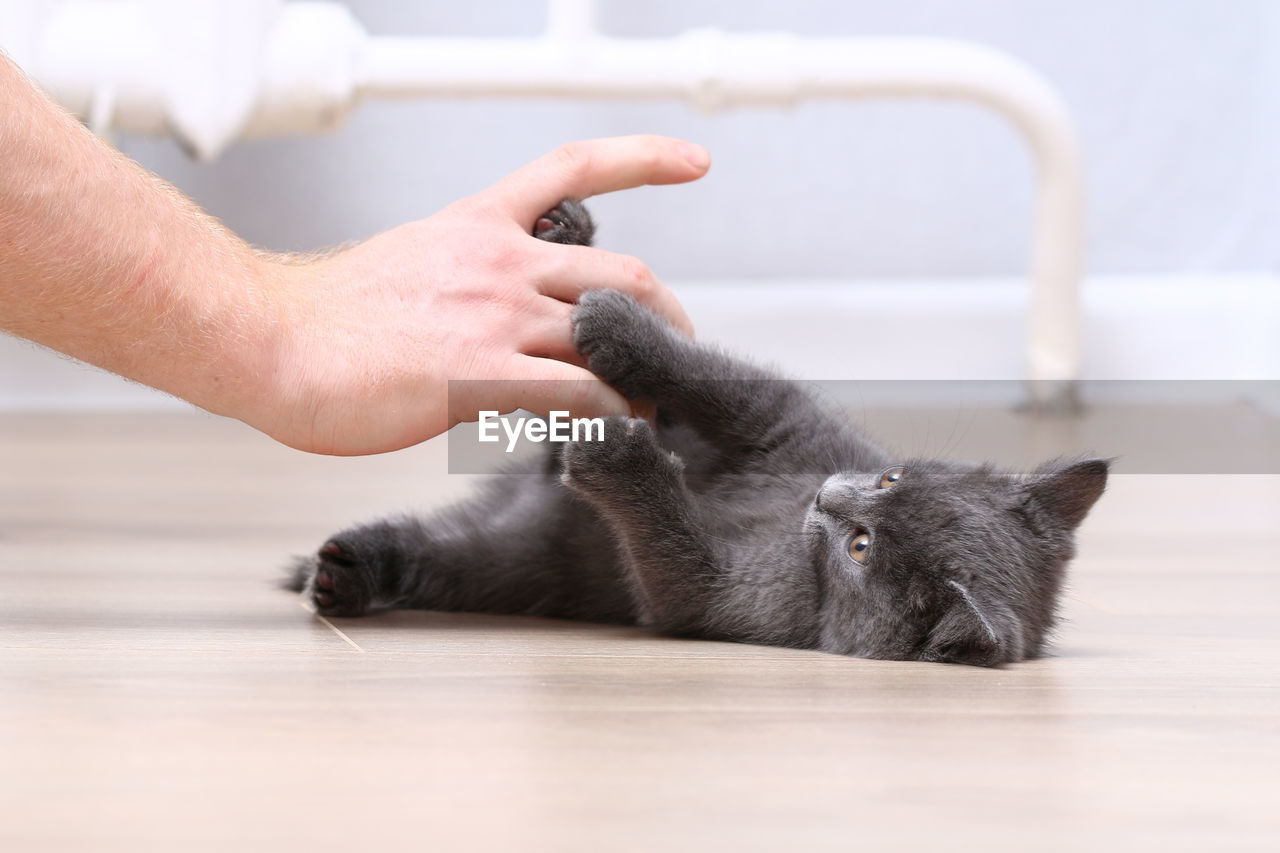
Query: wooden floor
(157, 693)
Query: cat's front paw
(568, 223)
(626, 463)
(342, 580)
(624, 343)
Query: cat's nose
(838, 498)
(827, 500)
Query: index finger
(580, 170)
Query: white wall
(1178, 106)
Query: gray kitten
(751, 514)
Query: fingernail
(698, 157)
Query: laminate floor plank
(159, 692)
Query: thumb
(547, 385)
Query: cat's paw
(628, 461)
(342, 581)
(568, 222)
(624, 343)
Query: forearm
(105, 262)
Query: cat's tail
(298, 574)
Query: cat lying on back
(750, 514)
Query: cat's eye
(891, 477)
(859, 547)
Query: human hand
(369, 338)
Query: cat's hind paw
(340, 583)
(627, 463)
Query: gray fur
(731, 520)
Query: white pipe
(303, 66)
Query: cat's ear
(1068, 490)
(964, 635)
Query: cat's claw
(322, 592)
(568, 223)
(337, 552)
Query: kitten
(751, 514)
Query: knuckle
(637, 275)
(592, 399)
(471, 207)
(587, 394)
(570, 393)
(494, 256)
(501, 257)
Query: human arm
(349, 353)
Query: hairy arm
(104, 262)
(349, 353)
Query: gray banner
(1147, 427)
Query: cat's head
(946, 562)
